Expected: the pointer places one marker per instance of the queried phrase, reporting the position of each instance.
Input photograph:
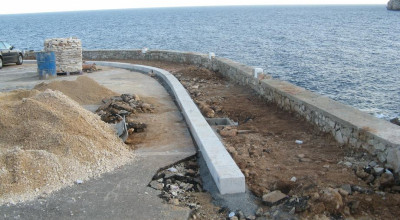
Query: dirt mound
(48, 141)
(83, 90)
(17, 95)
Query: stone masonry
(68, 53)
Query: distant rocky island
(393, 5)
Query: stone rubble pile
(124, 105)
(68, 53)
(127, 105)
(175, 183)
(277, 205)
(89, 68)
(379, 178)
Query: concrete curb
(226, 174)
(30, 61)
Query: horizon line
(185, 6)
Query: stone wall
(348, 125)
(68, 54)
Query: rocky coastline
(393, 5)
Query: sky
(35, 6)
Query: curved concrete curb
(226, 174)
(30, 61)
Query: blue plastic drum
(46, 62)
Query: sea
(348, 53)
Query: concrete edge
(30, 61)
(225, 172)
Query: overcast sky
(33, 6)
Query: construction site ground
(266, 151)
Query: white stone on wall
(68, 53)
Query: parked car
(8, 54)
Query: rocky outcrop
(393, 5)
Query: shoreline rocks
(395, 121)
(393, 5)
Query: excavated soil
(48, 141)
(267, 154)
(83, 90)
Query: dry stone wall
(346, 124)
(68, 53)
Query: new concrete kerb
(226, 174)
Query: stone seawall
(348, 125)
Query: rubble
(206, 109)
(259, 212)
(89, 68)
(362, 190)
(347, 188)
(126, 105)
(228, 131)
(386, 180)
(273, 197)
(179, 184)
(332, 199)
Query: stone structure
(68, 54)
(348, 125)
(393, 5)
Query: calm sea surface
(349, 53)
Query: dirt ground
(267, 154)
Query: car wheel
(20, 60)
(1, 62)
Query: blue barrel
(46, 62)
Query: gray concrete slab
(18, 77)
(123, 193)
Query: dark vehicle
(8, 54)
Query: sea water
(348, 53)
